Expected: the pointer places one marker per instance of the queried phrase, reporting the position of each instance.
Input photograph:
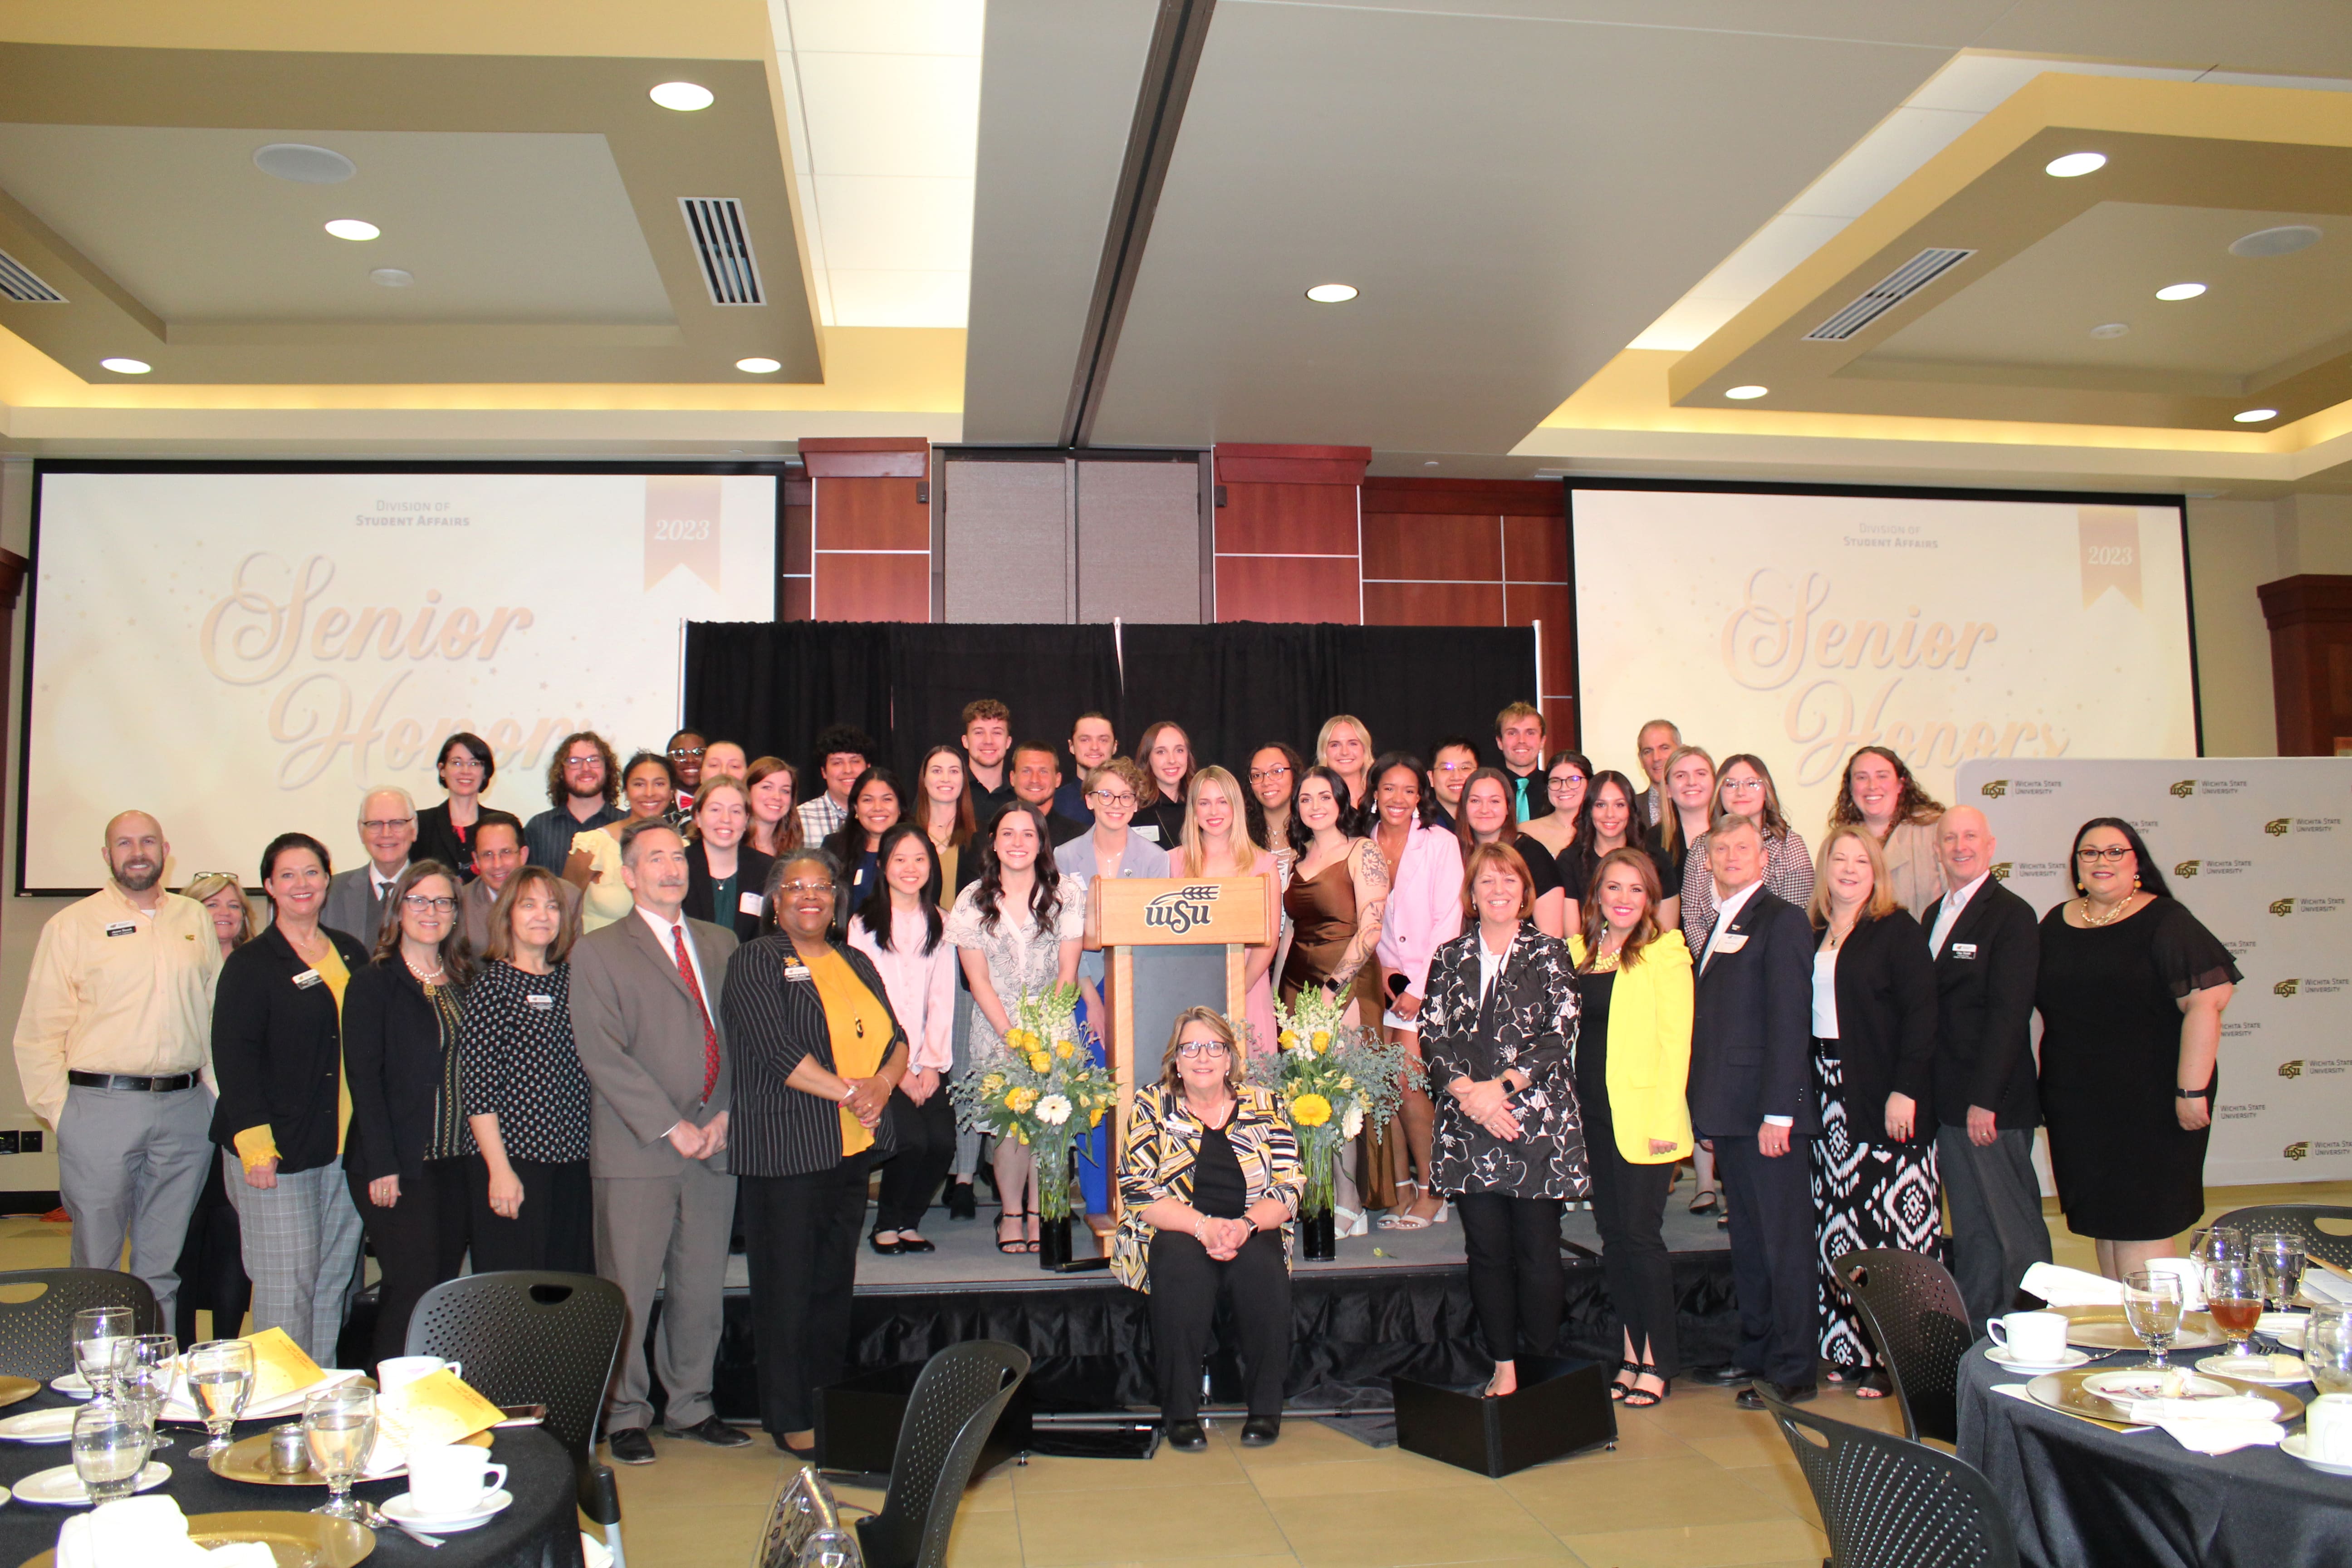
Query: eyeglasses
(1451, 768)
(385, 824)
(418, 904)
(571, 763)
(1742, 786)
(1565, 780)
(684, 752)
(796, 889)
(1268, 775)
(1105, 797)
(2112, 853)
(1203, 1048)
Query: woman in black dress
(446, 832)
(2131, 992)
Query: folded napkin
(2072, 1287)
(430, 1412)
(2228, 1407)
(2321, 1285)
(151, 1531)
(180, 1407)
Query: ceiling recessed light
(353, 228)
(759, 366)
(686, 96)
(392, 277)
(2075, 163)
(303, 163)
(1332, 293)
(2111, 329)
(1746, 394)
(2254, 415)
(126, 366)
(2284, 240)
(1429, 463)
(2181, 290)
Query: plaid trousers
(301, 1252)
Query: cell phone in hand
(1396, 986)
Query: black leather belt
(131, 1080)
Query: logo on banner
(2282, 907)
(2184, 789)
(2187, 868)
(2110, 545)
(1995, 788)
(2284, 988)
(1182, 910)
(2278, 826)
(682, 526)
(2297, 1150)
(2290, 1070)
(2001, 871)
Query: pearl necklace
(422, 977)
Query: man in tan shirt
(114, 1038)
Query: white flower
(1352, 1124)
(1054, 1109)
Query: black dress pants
(555, 1229)
(926, 1138)
(1773, 1267)
(419, 1242)
(1629, 1207)
(799, 1238)
(1516, 1284)
(1184, 1284)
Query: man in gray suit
(645, 1016)
(356, 899)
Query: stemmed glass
(339, 1425)
(101, 1340)
(110, 1440)
(2233, 1294)
(2328, 1348)
(2279, 1256)
(145, 1378)
(220, 1380)
(2152, 1306)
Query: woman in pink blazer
(1423, 912)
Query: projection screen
(1798, 627)
(245, 652)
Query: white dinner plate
(2073, 1358)
(60, 1488)
(2284, 1327)
(2233, 1366)
(39, 1426)
(73, 1385)
(2298, 1446)
(403, 1509)
(2126, 1384)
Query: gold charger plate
(247, 1460)
(2107, 1328)
(2065, 1391)
(296, 1539)
(17, 1390)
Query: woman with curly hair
(1880, 795)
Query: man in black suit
(1751, 1097)
(1988, 950)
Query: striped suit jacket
(1162, 1145)
(775, 1129)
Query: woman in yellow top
(649, 788)
(278, 1064)
(815, 1051)
(1632, 1061)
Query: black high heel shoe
(881, 1248)
(1619, 1390)
(1020, 1244)
(1638, 1398)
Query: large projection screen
(245, 652)
(1798, 627)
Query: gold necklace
(2091, 919)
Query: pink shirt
(1424, 909)
(921, 986)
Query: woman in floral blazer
(1498, 1033)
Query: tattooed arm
(1370, 874)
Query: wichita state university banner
(2261, 849)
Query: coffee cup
(2032, 1339)
(445, 1483)
(395, 1371)
(2328, 1428)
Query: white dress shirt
(662, 930)
(1726, 911)
(1955, 904)
(1825, 1023)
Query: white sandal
(1408, 1220)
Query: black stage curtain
(1047, 675)
(1241, 685)
(772, 686)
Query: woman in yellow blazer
(1632, 1061)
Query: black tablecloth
(2080, 1496)
(540, 1530)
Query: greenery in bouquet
(1333, 1080)
(1042, 1087)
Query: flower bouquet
(1333, 1080)
(1043, 1089)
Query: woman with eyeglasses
(2131, 993)
(446, 832)
(875, 807)
(1558, 831)
(1743, 787)
(649, 789)
(409, 1146)
(1209, 1180)
(1880, 795)
(1164, 751)
(1275, 771)
(775, 825)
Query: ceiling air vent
(1886, 293)
(723, 243)
(19, 283)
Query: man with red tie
(644, 1015)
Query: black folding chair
(1915, 1312)
(2300, 1220)
(955, 1404)
(1888, 1502)
(532, 1338)
(36, 1331)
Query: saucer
(2069, 1359)
(60, 1488)
(73, 1385)
(2284, 1327)
(2261, 1372)
(402, 1510)
(2298, 1445)
(39, 1426)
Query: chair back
(37, 1333)
(1888, 1502)
(532, 1338)
(2300, 1220)
(1915, 1312)
(955, 1404)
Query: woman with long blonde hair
(1216, 843)
(1345, 746)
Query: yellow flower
(1347, 1081)
(1064, 1049)
(1310, 1110)
(1021, 1100)
(1040, 1062)
(1094, 1118)
(1321, 1041)
(1287, 1038)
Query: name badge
(1149, 829)
(539, 1003)
(751, 903)
(1964, 950)
(123, 928)
(1731, 943)
(796, 972)
(308, 978)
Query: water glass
(2152, 1306)
(110, 1440)
(826, 1548)
(339, 1425)
(220, 1380)
(102, 1339)
(2279, 1256)
(2220, 1244)
(145, 1378)
(2328, 1348)
(2233, 1294)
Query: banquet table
(2080, 1496)
(540, 1530)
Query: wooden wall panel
(1432, 547)
(867, 537)
(1534, 549)
(871, 514)
(1432, 604)
(1491, 498)
(1287, 588)
(1286, 520)
(857, 586)
(796, 600)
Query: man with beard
(583, 781)
(115, 1033)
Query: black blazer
(277, 1048)
(394, 1061)
(1985, 980)
(1752, 1026)
(1168, 816)
(750, 876)
(1886, 1024)
(436, 839)
(773, 1129)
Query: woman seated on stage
(1210, 1178)
(1498, 1032)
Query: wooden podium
(1163, 935)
